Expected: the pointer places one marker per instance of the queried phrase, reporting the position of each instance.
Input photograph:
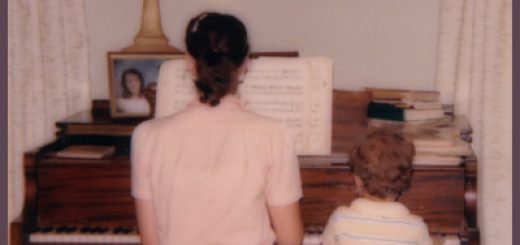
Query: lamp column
(150, 37)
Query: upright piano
(84, 201)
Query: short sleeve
(424, 238)
(327, 236)
(140, 164)
(283, 174)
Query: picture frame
(133, 78)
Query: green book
(391, 112)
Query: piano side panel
(470, 195)
(16, 233)
(77, 192)
(471, 191)
(31, 189)
(438, 197)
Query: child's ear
(358, 181)
(359, 184)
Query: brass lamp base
(151, 44)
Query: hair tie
(199, 19)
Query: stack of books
(404, 105)
(437, 142)
(439, 139)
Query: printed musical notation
(296, 91)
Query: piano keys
(105, 235)
(96, 193)
(82, 235)
(127, 236)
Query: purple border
(3, 122)
(516, 121)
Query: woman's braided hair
(219, 45)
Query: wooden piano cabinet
(86, 192)
(73, 192)
(79, 193)
(97, 192)
(16, 232)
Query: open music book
(296, 91)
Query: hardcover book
(391, 112)
(405, 95)
(86, 151)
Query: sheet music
(320, 135)
(175, 88)
(296, 91)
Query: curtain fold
(48, 78)
(474, 72)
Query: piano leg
(16, 233)
(474, 237)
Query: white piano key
(451, 240)
(312, 239)
(38, 237)
(75, 238)
(59, 238)
(35, 237)
(132, 238)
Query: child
(382, 166)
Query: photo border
(112, 56)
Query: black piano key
(95, 229)
(126, 230)
(86, 229)
(35, 229)
(103, 229)
(71, 229)
(46, 229)
(117, 230)
(61, 229)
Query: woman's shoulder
(155, 125)
(262, 123)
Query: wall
(372, 42)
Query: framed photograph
(133, 81)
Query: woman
(215, 173)
(132, 99)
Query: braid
(218, 43)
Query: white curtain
(48, 78)
(474, 72)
